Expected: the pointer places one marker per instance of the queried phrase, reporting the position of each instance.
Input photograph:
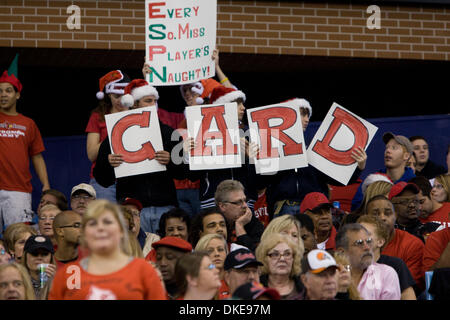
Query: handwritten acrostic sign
(339, 134)
(136, 135)
(277, 130)
(180, 37)
(215, 129)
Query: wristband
(224, 80)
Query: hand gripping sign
(277, 130)
(180, 37)
(215, 129)
(136, 135)
(339, 134)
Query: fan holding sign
(136, 152)
(287, 188)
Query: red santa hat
(196, 87)
(136, 90)
(112, 82)
(301, 103)
(12, 80)
(223, 94)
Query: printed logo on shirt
(100, 294)
(12, 130)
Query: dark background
(60, 84)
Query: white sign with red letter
(215, 129)
(339, 134)
(136, 135)
(180, 37)
(278, 132)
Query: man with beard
(80, 197)
(168, 251)
(317, 206)
(404, 197)
(374, 281)
(396, 155)
(67, 230)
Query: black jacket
(254, 231)
(431, 170)
(151, 189)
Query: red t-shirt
(224, 291)
(20, 139)
(138, 280)
(409, 248)
(441, 215)
(96, 125)
(435, 245)
(261, 209)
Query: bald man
(67, 227)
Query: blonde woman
(15, 283)
(287, 225)
(346, 288)
(281, 268)
(216, 247)
(39, 250)
(134, 246)
(441, 188)
(15, 237)
(109, 272)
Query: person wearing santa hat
(246, 174)
(286, 189)
(20, 141)
(112, 87)
(156, 190)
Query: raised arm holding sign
(180, 38)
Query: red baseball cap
(173, 242)
(402, 186)
(134, 202)
(313, 200)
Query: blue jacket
(357, 199)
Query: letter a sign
(135, 134)
(339, 134)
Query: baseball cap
(86, 188)
(313, 200)
(240, 258)
(253, 290)
(37, 242)
(402, 186)
(402, 140)
(134, 202)
(317, 261)
(173, 242)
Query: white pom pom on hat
(100, 95)
(301, 103)
(127, 100)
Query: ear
(380, 243)
(60, 232)
(221, 206)
(192, 281)
(17, 95)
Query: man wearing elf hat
(20, 141)
(156, 190)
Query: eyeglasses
(277, 256)
(211, 266)
(360, 242)
(2, 252)
(237, 203)
(406, 202)
(76, 225)
(438, 186)
(81, 196)
(346, 267)
(42, 218)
